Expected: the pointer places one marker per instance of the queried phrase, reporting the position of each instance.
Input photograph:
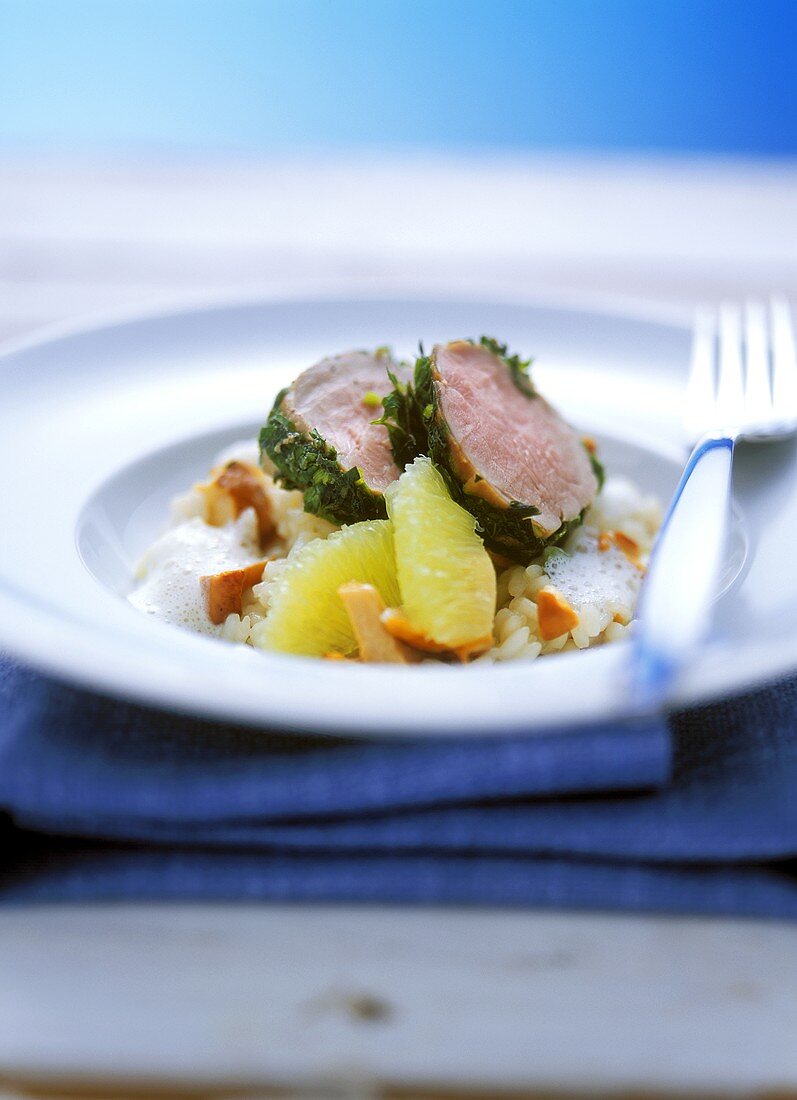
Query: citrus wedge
(447, 581)
(306, 615)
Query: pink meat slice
(329, 398)
(520, 445)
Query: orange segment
(305, 612)
(446, 578)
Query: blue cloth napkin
(105, 800)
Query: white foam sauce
(618, 499)
(171, 568)
(586, 575)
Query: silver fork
(742, 386)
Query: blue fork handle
(675, 604)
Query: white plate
(99, 428)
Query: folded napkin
(105, 800)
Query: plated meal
(397, 513)
(143, 409)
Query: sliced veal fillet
(321, 438)
(510, 458)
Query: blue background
(714, 76)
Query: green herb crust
(517, 367)
(404, 420)
(417, 425)
(304, 460)
(597, 467)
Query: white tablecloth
(77, 237)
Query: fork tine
(757, 385)
(700, 387)
(784, 361)
(730, 383)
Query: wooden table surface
(354, 1001)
